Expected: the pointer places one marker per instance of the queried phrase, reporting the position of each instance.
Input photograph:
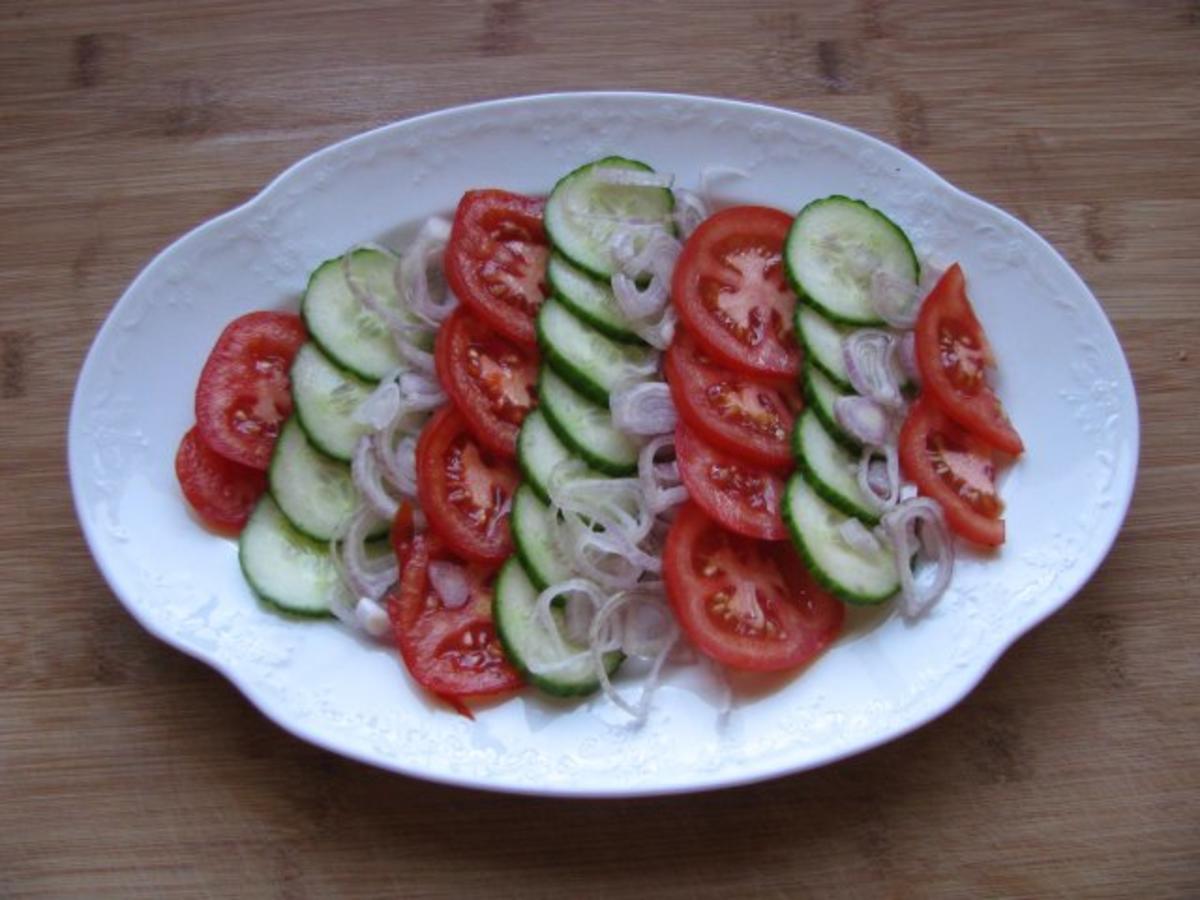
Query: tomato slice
(222, 492)
(732, 411)
(748, 604)
(454, 653)
(496, 260)
(731, 293)
(464, 490)
(491, 379)
(953, 356)
(740, 496)
(244, 393)
(955, 468)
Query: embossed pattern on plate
(1064, 380)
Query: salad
(557, 434)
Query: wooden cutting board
(127, 770)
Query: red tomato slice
(222, 492)
(955, 468)
(496, 260)
(244, 393)
(732, 411)
(492, 380)
(731, 293)
(748, 604)
(464, 490)
(740, 496)
(953, 356)
(454, 653)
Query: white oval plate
(1064, 381)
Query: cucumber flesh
(325, 398)
(350, 333)
(529, 646)
(849, 573)
(583, 213)
(285, 567)
(592, 363)
(820, 395)
(833, 250)
(586, 428)
(314, 492)
(591, 300)
(822, 341)
(830, 468)
(541, 455)
(533, 529)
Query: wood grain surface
(128, 770)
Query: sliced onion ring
(864, 419)
(918, 526)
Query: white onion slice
(639, 254)
(906, 356)
(879, 480)
(918, 526)
(869, 355)
(371, 618)
(660, 483)
(644, 407)
(639, 303)
(366, 576)
(450, 581)
(864, 419)
(690, 210)
(412, 274)
(896, 300)
(858, 537)
(368, 478)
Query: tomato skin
(491, 379)
(926, 434)
(464, 493)
(453, 653)
(731, 410)
(496, 258)
(712, 575)
(952, 355)
(244, 393)
(731, 293)
(740, 496)
(222, 492)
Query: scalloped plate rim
(981, 665)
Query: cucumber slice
(325, 398)
(350, 334)
(830, 468)
(316, 493)
(583, 213)
(526, 642)
(585, 428)
(834, 248)
(533, 527)
(822, 342)
(820, 394)
(591, 300)
(593, 363)
(854, 576)
(541, 455)
(285, 567)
